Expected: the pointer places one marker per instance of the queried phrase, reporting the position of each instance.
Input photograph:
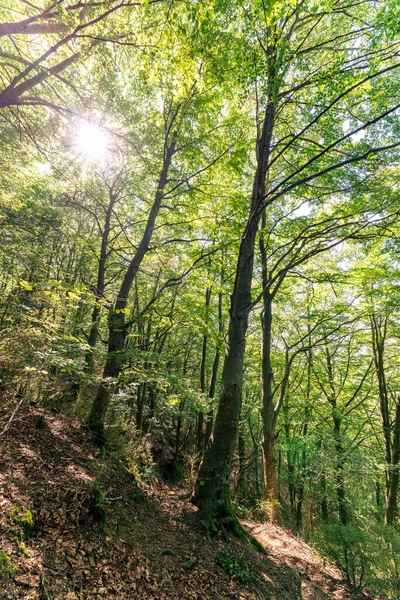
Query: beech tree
(199, 207)
(287, 35)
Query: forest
(199, 271)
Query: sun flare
(92, 141)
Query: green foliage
(140, 460)
(7, 570)
(208, 71)
(125, 443)
(23, 549)
(24, 518)
(367, 556)
(236, 567)
(268, 510)
(99, 505)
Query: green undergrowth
(237, 568)
(7, 569)
(23, 518)
(104, 508)
(368, 555)
(99, 504)
(23, 527)
(131, 447)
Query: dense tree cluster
(199, 207)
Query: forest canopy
(200, 258)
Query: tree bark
(242, 456)
(212, 494)
(378, 345)
(270, 409)
(203, 363)
(99, 293)
(391, 505)
(118, 330)
(391, 433)
(303, 468)
(340, 460)
(324, 500)
(291, 465)
(339, 473)
(179, 422)
(214, 373)
(268, 406)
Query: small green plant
(98, 505)
(243, 512)
(236, 567)
(126, 443)
(268, 510)
(23, 549)
(7, 570)
(140, 460)
(23, 518)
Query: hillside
(92, 532)
(199, 299)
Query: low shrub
(236, 567)
(98, 505)
(369, 557)
(23, 518)
(7, 570)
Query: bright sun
(92, 141)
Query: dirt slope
(151, 545)
(319, 581)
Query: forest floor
(96, 534)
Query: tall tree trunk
(158, 348)
(212, 494)
(378, 345)
(339, 473)
(116, 320)
(212, 486)
(99, 293)
(340, 459)
(242, 456)
(203, 363)
(391, 434)
(141, 401)
(291, 468)
(268, 406)
(324, 500)
(300, 489)
(303, 458)
(391, 505)
(178, 433)
(270, 409)
(180, 416)
(214, 372)
(256, 447)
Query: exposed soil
(319, 580)
(151, 544)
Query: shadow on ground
(149, 546)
